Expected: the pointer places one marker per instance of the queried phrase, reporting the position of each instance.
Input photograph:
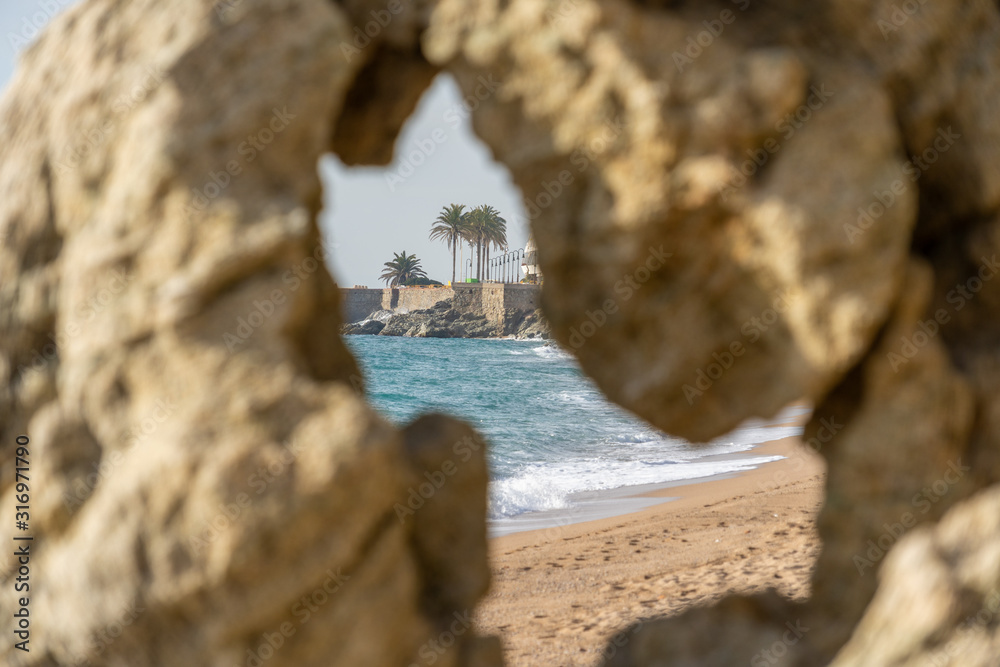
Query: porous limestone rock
(939, 603)
(726, 220)
(208, 486)
(650, 232)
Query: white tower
(529, 264)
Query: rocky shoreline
(443, 321)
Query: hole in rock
(566, 463)
(558, 442)
(372, 213)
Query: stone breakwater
(459, 311)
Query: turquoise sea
(553, 436)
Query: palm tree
(402, 268)
(450, 227)
(496, 231)
(485, 228)
(476, 225)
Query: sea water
(552, 435)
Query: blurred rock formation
(737, 204)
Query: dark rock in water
(363, 328)
(441, 321)
(444, 321)
(532, 326)
(479, 327)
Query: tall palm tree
(450, 226)
(496, 231)
(474, 233)
(402, 268)
(485, 228)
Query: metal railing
(505, 268)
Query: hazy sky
(372, 218)
(19, 21)
(365, 218)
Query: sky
(19, 21)
(373, 212)
(370, 213)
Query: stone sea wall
(357, 303)
(493, 300)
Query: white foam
(638, 456)
(551, 351)
(550, 486)
(579, 396)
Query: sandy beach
(560, 593)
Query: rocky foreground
(444, 321)
(736, 205)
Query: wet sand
(561, 592)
